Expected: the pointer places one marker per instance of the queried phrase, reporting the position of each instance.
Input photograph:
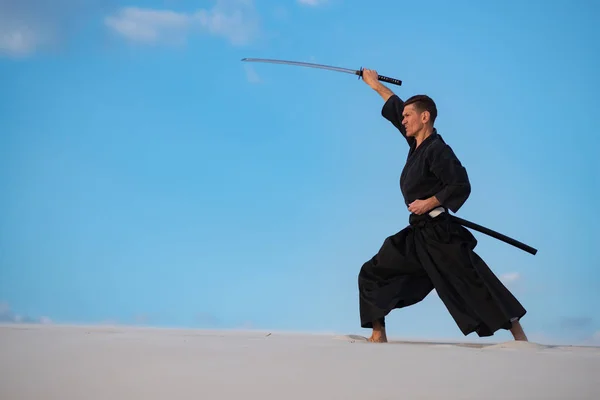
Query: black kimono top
(432, 169)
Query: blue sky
(149, 176)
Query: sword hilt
(382, 78)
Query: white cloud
(251, 74)
(27, 26)
(18, 41)
(312, 3)
(7, 315)
(510, 277)
(234, 20)
(23, 29)
(143, 25)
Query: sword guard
(360, 73)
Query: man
(433, 251)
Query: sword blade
(358, 72)
(304, 64)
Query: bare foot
(379, 335)
(517, 332)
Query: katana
(494, 234)
(358, 72)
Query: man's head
(419, 112)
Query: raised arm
(392, 111)
(393, 106)
(371, 78)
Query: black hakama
(434, 251)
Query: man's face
(412, 120)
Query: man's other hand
(420, 207)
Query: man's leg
(517, 331)
(392, 279)
(379, 335)
(475, 297)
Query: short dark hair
(423, 103)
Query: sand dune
(88, 363)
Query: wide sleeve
(392, 111)
(448, 169)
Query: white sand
(87, 363)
